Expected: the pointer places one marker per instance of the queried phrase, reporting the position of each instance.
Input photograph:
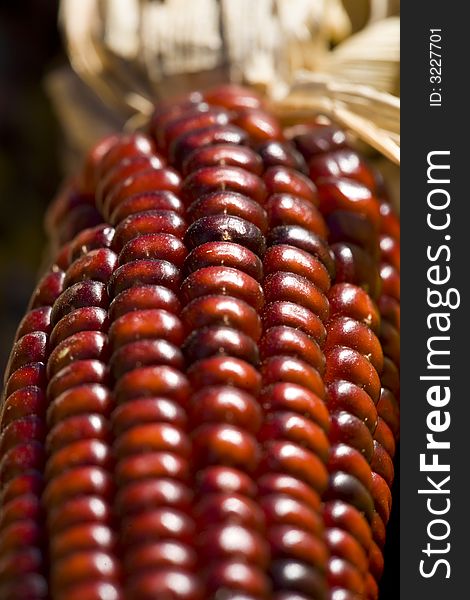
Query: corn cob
(205, 369)
(363, 229)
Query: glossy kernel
(287, 209)
(232, 179)
(276, 153)
(213, 341)
(145, 324)
(228, 254)
(294, 288)
(225, 228)
(145, 201)
(96, 264)
(224, 370)
(87, 318)
(293, 315)
(145, 181)
(223, 155)
(143, 297)
(222, 280)
(282, 340)
(284, 180)
(144, 272)
(299, 237)
(221, 404)
(157, 246)
(186, 143)
(230, 203)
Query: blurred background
(32, 154)
(29, 150)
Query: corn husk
(128, 54)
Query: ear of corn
(202, 401)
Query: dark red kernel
(85, 345)
(146, 181)
(185, 144)
(349, 195)
(282, 340)
(78, 373)
(259, 124)
(48, 290)
(37, 319)
(294, 288)
(342, 163)
(298, 429)
(230, 203)
(21, 403)
(319, 139)
(145, 201)
(213, 310)
(144, 273)
(288, 369)
(346, 488)
(224, 370)
(346, 396)
(144, 325)
(346, 226)
(344, 331)
(222, 444)
(86, 451)
(233, 97)
(76, 429)
(31, 348)
(299, 578)
(151, 221)
(287, 209)
(345, 363)
(287, 258)
(97, 265)
(224, 404)
(147, 494)
(222, 280)
(214, 341)
(147, 382)
(348, 300)
(152, 437)
(159, 246)
(227, 480)
(192, 120)
(348, 429)
(293, 315)
(100, 236)
(227, 254)
(88, 318)
(143, 297)
(225, 228)
(79, 295)
(80, 400)
(284, 180)
(143, 353)
(32, 374)
(293, 235)
(295, 398)
(148, 410)
(223, 155)
(275, 153)
(126, 146)
(230, 179)
(355, 266)
(124, 169)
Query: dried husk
(131, 53)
